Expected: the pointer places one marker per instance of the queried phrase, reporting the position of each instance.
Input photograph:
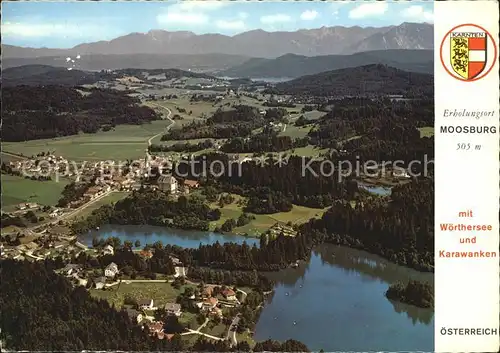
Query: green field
(122, 143)
(295, 131)
(18, 189)
(308, 151)
(262, 222)
(426, 131)
(196, 108)
(161, 293)
(245, 336)
(7, 157)
(111, 198)
(313, 115)
(219, 330)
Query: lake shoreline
(335, 283)
(250, 239)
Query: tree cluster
(270, 256)
(416, 293)
(267, 141)
(152, 207)
(72, 192)
(181, 147)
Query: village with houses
(175, 306)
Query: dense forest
(152, 207)
(369, 80)
(416, 293)
(32, 113)
(266, 141)
(376, 130)
(300, 185)
(401, 230)
(41, 311)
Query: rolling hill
(96, 62)
(374, 79)
(35, 75)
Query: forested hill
(31, 113)
(291, 65)
(40, 311)
(167, 74)
(369, 80)
(36, 75)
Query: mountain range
(256, 43)
(291, 65)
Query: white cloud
(418, 13)
(224, 24)
(189, 12)
(309, 15)
(243, 15)
(369, 9)
(206, 5)
(61, 30)
(182, 17)
(278, 18)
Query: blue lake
(335, 302)
(375, 189)
(152, 234)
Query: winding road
(167, 117)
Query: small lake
(151, 234)
(261, 79)
(335, 302)
(375, 189)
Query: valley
(166, 190)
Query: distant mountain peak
(256, 43)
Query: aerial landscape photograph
(217, 176)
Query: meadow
(426, 131)
(262, 222)
(16, 190)
(122, 143)
(109, 199)
(161, 292)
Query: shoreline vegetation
(415, 293)
(399, 241)
(93, 324)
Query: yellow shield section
(459, 56)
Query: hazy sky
(65, 24)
